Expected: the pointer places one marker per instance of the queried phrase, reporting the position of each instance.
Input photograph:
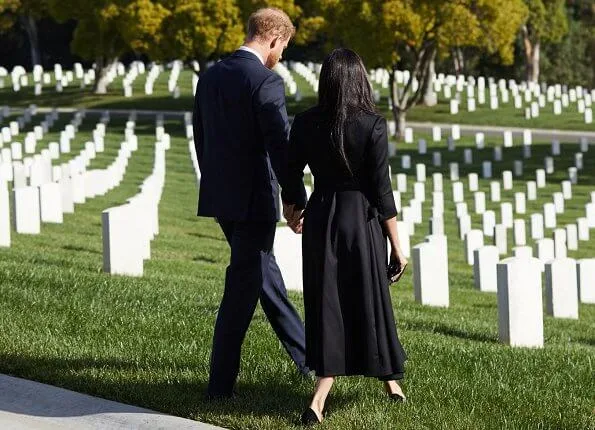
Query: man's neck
(258, 48)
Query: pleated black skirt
(350, 325)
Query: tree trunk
(532, 51)
(430, 97)
(101, 68)
(398, 114)
(458, 59)
(30, 27)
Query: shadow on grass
(80, 248)
(449, 331)
(278, 396)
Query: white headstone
(583, 229)
(549, 215)
(473, 241)
(26, 210)
(454, 171)
(501, 239)
(487, 169)
(485, 260)
(50, 203)
(560, 250)
(540, 178)
(586, 280)
(458, 192)
(4, 214)
(495, 191)
(507, 180)
(506, 214)
(571, 237)
(544, 249)
(561, 288)
(537, 226)
(519, 232)
(520, 203)
(479, 198)
(420, 172)
(430, 272)
(520, 313)
(489, 223)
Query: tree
(199, 29)
(25, 13)
(547, 22)
(108, 28)
(412, 33)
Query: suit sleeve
(272, 119)
(377, 169)
(197, 128)
(294, 191)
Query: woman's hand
(293, 217)
(399, 260)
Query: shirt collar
(252, 51)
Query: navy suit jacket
(241, 139)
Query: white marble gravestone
(486, 169)
(571, 237)
(406, 162)
(420, 172)
(519, 232)
(401, 182)
(506, 214)
(473, 181)
(520, 312)
(454, 171)
(520, 203)
(122, 241)
(558, 202)
(26, 210)
(501, 238)
(419, 191)
(422, 147)
(485, 260)
(507, 180)
(495, 191)
(522, 251)
(458, 192)
(479, 198)
(50, 203)
(430, 272)
(582, 229)
(560, 250)
(436, 226)
(566, 190)
(404, 238)
(561, 288)
(288, 253)
(473, 241)
(437, 158)
(537, 226)
(4, 214)
(531, 190)
(489, 223)
(464, 225)
(586, 280)
(544, 250)
(540, 178)
(549, 215)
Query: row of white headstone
(128, 229)
(58, 188)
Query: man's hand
(293, 217)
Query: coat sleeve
(377, 171)
(272, 119)
(197, 128)
(294, 191)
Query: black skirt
(350, 325)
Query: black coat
(350, 326)
(241, 138)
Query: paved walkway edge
(27, 404)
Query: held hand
(290, 214)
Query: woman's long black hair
(343, 91)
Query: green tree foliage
(546, 22)
(411, 33)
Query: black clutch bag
(395, 271)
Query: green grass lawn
(146, 341)
(161, 99)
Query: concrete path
(30, 405)
(471, 129)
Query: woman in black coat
(350, 326)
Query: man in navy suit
(241, 138)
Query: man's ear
(274, 42)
